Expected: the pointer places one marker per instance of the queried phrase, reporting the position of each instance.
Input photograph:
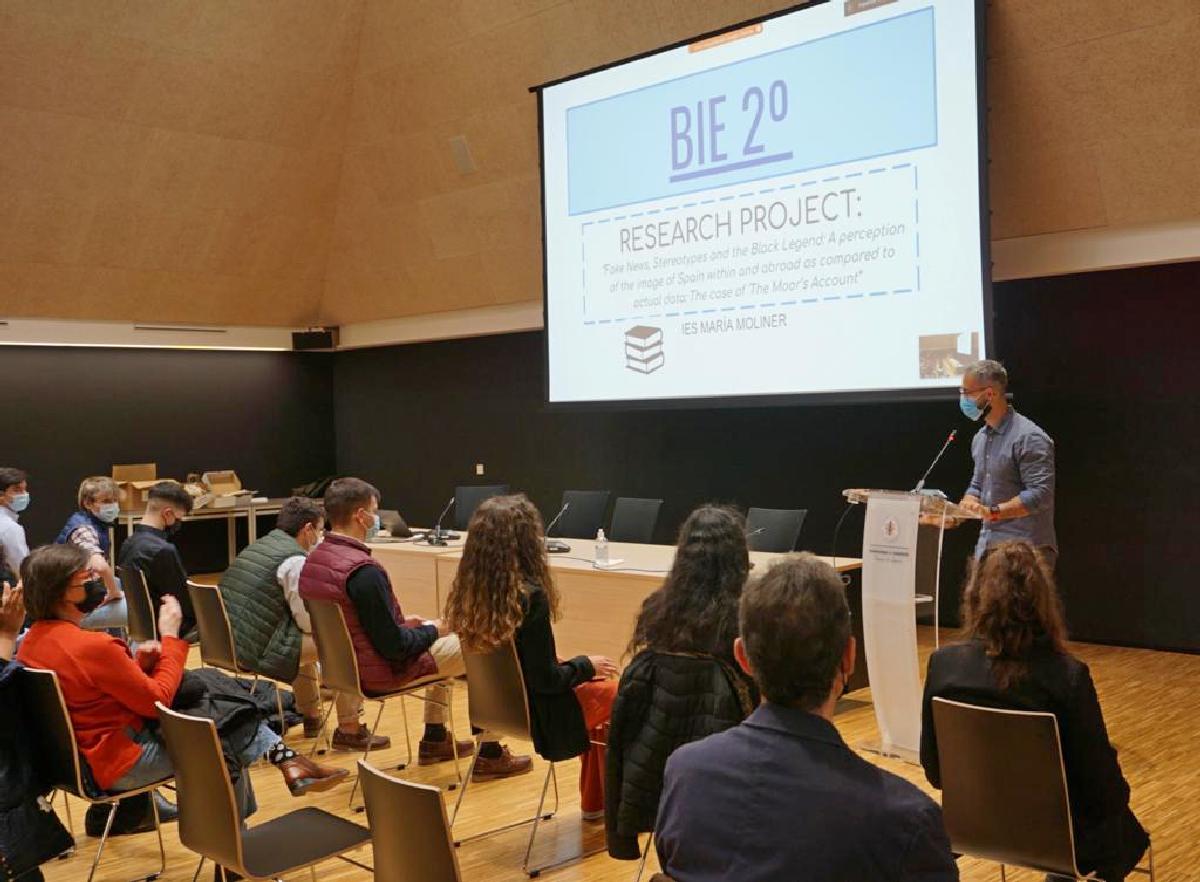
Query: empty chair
(467, 499)
(409, 831)
(60, 755)
(634, 520)
(584, 515)
(217, 649)
(208, 816)
(774, 529)
(142, 623)
(1004, 789)
(339, 672)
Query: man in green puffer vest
(271, 629)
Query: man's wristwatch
(994, 510)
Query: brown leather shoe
(312, 727)
(430, 752)
(304, 776)
(358, 741)
(504, 766)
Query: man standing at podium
(1012, 487)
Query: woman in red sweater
(110, 694)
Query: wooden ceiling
(288, 162)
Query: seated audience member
(88, 528)
(682, 683)
(271, 629)
(110, 695)
(1014, 655)
(12, 618)
(392, 650)
(781, 796)
(14, 499)
(503, 591)
(151, 551)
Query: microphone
(949, 440)
(556, 546)
(435, 536)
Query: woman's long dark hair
(696, 609)
(1011, 604)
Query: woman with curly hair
(1014, 655)
(504, 591)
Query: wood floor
(1151, 703)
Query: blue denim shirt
(1015, 459)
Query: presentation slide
(789, 208)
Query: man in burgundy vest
(392, 650)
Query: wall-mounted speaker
(315, 339)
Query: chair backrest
(409, 830)
(467, 499)
(57, 749)
(634, 520)
(335, 650)
(142, 624)
(780, 528)
(585, 515)
(217, 649)
(208, 816)
(496, 700)
(1004, 789)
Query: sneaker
(504, 766)
(358, 740)
(430, 752)
(304, 776)
(312, 727)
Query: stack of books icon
(644, 349)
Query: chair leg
(370, 738)
(112, 813)
(466, 783)
(645, 854)
(407, 734)
(1003, 875)
(453, 740)
(199, 866)
(324, 723)
(162, 852)
(536, 818)
(279, 707)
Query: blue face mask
(109, 511)
(20, 502)
(970, 408)
(373, 530)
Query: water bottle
(601, 549)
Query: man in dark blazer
(781, 797)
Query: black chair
(774, 529)
(634, 520)
(467, 499)
(60, 755)
(208, 817)
(1004, 788)
(584, 515)
(142, 624)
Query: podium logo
(890, 530)
(644, 349)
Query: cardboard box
(226, 489)
(135, 482)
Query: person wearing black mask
(150, 550)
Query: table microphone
(435, 536)
(949, 440)
(556, 546)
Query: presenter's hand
(604, 667)
(170, 617)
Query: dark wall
(71, 412)
(1103, 361)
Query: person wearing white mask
(88, 528)
(14, 499)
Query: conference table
(599, 606)
(411, 565)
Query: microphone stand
(556, 546)
(435, 536)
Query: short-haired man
(150, 550)
(1012, 486)
(392, 650)
(14, 499)
(781, 796)
(271, 629)
(88, 528)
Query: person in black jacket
(683, 683)
(1015, 656)
(503, 591)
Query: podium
(889, 597)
